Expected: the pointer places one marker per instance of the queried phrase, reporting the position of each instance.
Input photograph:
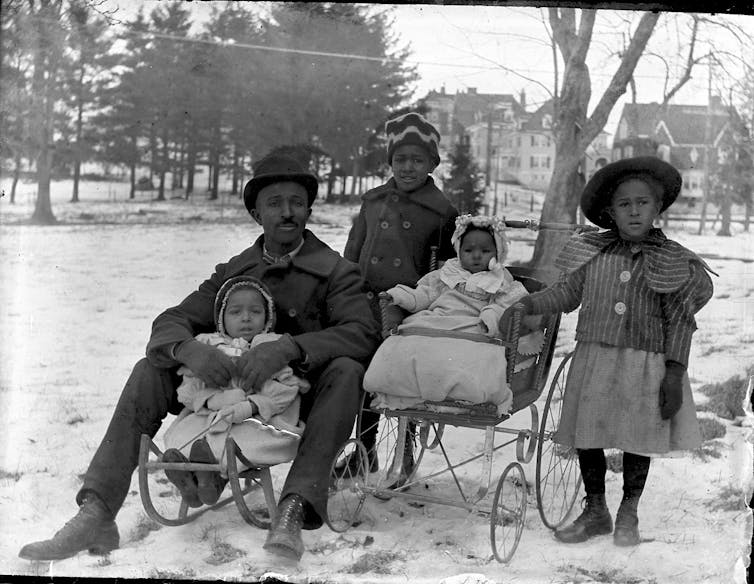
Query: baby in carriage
(445, 349)
(244, 315)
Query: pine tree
(464, 185)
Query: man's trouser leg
(332, 411)
(148, 396)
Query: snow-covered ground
(77, 301)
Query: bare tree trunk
(16, 177)
(77, 149)
(725, 208)
(132, 190)
(573, 130)
(164, 158)
(190, 168)
(42, 100)
(747, 214)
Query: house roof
(684, 124)
(470, 103)
(640, 118)
(534, 123)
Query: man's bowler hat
(278, 168)
(598, 192)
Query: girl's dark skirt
(612, 401)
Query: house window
(547, 162)
(629, 151)
(533, 140)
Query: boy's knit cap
(412, 128)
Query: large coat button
(292, 312)
(384, 224)
(635, 249)
(625, 276)
(373, 260)
(620, 308)
(370, 295)
(397, 262)
(407, 225)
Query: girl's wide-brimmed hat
(233, 284)
(599, 190)
(278, 168)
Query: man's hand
(261, 362)
(207, 363)
(671, 389)
(522, 307)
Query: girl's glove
(671, 389)
(261, 362)
(523, 307)
(222, 419)
(207, 363)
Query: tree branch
(618, 83)
(690, 62)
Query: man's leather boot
(92, 528)
(284, 537)
(627, 523)
(594, 520)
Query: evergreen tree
(465, 184)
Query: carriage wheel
(168, 508)
(346, 492)
(558, 477)
(508, 513)
(255, 504)
(392, 437)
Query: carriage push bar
(548, 225)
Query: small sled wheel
(557, 476)
(256, 512)
(346, 494)
(508, 513)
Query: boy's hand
(260, 363)
(207, 363)
(671, 389)
(392, 315)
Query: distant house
(676, 134)
(509, 144)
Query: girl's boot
(595, 518)
(627, 523)
(635, 470)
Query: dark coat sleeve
(349, 328)
(194, 315)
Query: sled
(173, 510)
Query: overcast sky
(464, 46)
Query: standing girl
(627, 387)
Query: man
(328, 332)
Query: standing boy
(398, 224)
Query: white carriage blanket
(259, 442)
(408, 370)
